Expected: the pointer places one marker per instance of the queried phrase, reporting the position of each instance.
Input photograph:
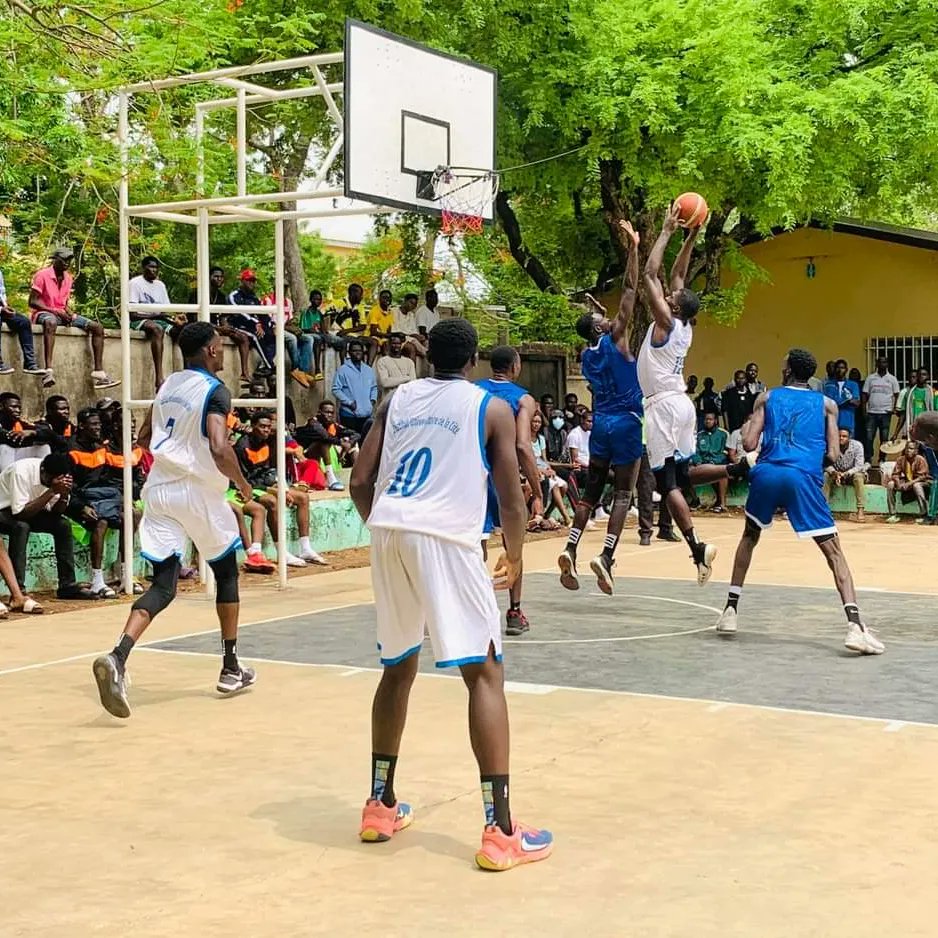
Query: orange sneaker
(381, 823)
(525, 845)
(258, 563)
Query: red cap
(248, 274)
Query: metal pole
(202, 281)
(242, 143)
(123, 130)
(200, 151)
(281, 436)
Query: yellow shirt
(383, 319)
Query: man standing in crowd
(20, 326)
(393, 369)
(880, 395)
(737, 402)
(915, 400)
(756, 387)
(49, 295)
(848, 469)
(845, 394)
(355, 389)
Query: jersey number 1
(170, 426)
(412, 472)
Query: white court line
(714, 706)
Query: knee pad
(596, 478)
(824, 538)
(666, 478)
(752, 531)
(163, 589)
(226, 578)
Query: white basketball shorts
(175, 512)
(424, 582)
(670, 429)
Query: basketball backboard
(409, 110)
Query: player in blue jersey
(799, 437)
(505, 363)
(616, 438)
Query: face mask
(557, 423)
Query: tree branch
(530, 264)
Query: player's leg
(589, 499)
(96, 549)
(233, 676)
(727, 623)
(670, 479)
(516, 622)
(624, 478)
(300, 500)
(400, 629)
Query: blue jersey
(613, 379)
(795, 433)
(508, 391)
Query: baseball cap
(248, 274)
(106, 403)
(62, 253)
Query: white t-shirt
(426, 318)
(881, 389)
(579, 439)
(404, 322)
(735, 443)
(19, 485)
(143, 291)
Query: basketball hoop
(465, 197)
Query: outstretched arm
(682, 261)
(753, 427)
(620, 326)
(660, 309)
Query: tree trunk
(530, 264)
(294, 274)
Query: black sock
(382, 778)
(696, 548)
(853, 613)
(495, 802)
(732, 598)
(609, 546)
(514, 606)
(573, 538)
(230, 657)
(122, 650)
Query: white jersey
(433, 475)
(661, 367)
(179, 440)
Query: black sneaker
(738, 471)
(516, 622)
(230, 682)
(601, 565)
(112, 685)
(644, 540)
(669, 535)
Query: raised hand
(626, 226)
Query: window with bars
(906, 354)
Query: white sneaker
(860, 638)
(705, 568)
(568, 578)
(726, 624)
(310, 556)
(102, 380)
(600, 514)
(294, 561)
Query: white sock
(255, 548)
(330, 476)
(97, 580)
(305, 546)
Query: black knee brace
(595, 484)
(226, 578)
(163, 589)
(753, 531)
(666, 478)
(824, 538)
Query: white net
(465, 197)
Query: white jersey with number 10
(661, 367)
(433, 473)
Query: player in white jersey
(670, 418)
(420, 482)
(184, 498)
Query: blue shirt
(846, 415)
(795, 432)
(508, 391)
(355, 384)
(612, 377)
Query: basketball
(693, 209)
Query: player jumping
(799, 437)
(184, 497)
(421, 481)
(506, 367)
(670, 418)
(616, 438)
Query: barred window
(906, 354)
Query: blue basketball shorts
(796, 492)
(616, 438)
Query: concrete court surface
(709, 815)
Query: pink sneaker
(525, 845)
(381, 823)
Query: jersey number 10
(412, 472)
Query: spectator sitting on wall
(20, 326)
(578, 445)
(97, 502)
(355, 389)
(849, 470)
(737, 402)
(426, 316)
(258, 329)
(406, 322)
(219, 297)
(56, 426)
(916, 399)
(393, 369)
(708, 401)
(349, 321)
(341, 455)
(315, 324)
(34, 494)
(845, 394)
(737, 452)
(380, 324)
(147, 288)
(317, 446)
(880, 396)
(49, 297)
(910, 479)
(711, 451)
(755, 386)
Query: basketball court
(770, 784)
